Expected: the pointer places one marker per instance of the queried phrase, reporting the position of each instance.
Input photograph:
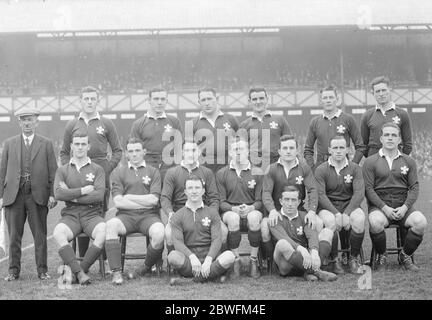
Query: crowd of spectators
(135, 73)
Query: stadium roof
(112, 15)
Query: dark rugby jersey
(235, 190)
(156, 133)
(197, 229)
(300, 175)
(296, 231)
(101, 132)
(277, 126)
(372, 121)
(322, 130)
(347, 186)
(382, 182)
(210, 134)
(89, 174)
(173, 197)
(144, 180)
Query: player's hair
(206, 89)
(378, 80)
(80, 135)
(236, 139)
(338, 137)
(329, 88)
(193, 177)
(89, 89)
(287, 137)
(290, 188)
(157, 89)
(133, 140)
(390, 124)
(257, 89)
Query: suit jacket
(43, 168)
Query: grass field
(392, 284)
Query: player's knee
(319, 224)
(99, 234)
(175, 259)
(326, 234)
(157, 233)
(283, 247)
(376, 221)
(60, 234)
(265, 230)
(112, 229)
(419, 222)
(328, 219)
(232, 220)
(254, 220)
(357, 220)
(226, 259)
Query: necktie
(27, 142)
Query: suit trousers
(16, 214)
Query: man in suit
(27, 174)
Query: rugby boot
(407, 262)
(354, 265)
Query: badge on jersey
(100, 130)
(146, 180)
(299, 180)
(168, 128)
(404, 170)
(300, 230)
(273, 125)
(396, 120)
(348, 178)
(206, 222)
(251, 184)
(226, 126)
(341, 129)
(90, 177)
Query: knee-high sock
(153, 255)
(379, 241)
(113, 251)
(324, 250)
(216, 270)
(334, 247)
(254, 238)
(356, 240)
(412, 241)
(83, 244)
(90, 257)
(186, 268)
(344, 236)
(234, 238)
(268, 249)
(68, 256)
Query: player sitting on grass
(299, 249)
(240, 204)
(135, 189)
(340, 193)
(392, 188)
(81, 185)
(196, 232)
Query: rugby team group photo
(214, 159)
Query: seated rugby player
(135, 190)
(299, 249)
(392, 188)
(340, 193)
(173, 197)
(240, 204)
(81, 185)
(197, 237)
